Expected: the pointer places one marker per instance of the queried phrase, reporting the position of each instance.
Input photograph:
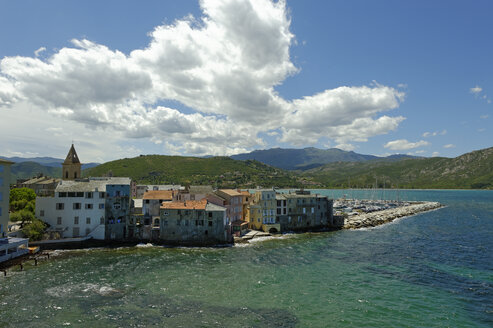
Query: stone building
(302, 211)
(263, 213)
(194, 222)
(71, 167)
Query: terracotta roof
(158, 194)
(230, 192)
(245, 193)
(187, 205)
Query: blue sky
(221, 77)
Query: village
(101, 211)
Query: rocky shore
(381, 217)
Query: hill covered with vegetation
(216, 171)
(473, 170)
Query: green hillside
(26, 170)
(217, 171)
(470, 171)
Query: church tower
(71, 166)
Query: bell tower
(71, 166)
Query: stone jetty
(380, 217)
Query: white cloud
(419, 152)
(484, 117)
(435, 154)
(449, 146)
(346, 147)
(224, 66)
(476, 90)
(40, 50)
(403, 144)
(434, 134)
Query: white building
(78, 207)
(9, 247)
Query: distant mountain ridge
(309, 158)
(46, 161)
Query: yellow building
(262, 214)
(4, 196)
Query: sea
(434, 269)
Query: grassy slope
(27, 170)
(471, 170)
(218, 171)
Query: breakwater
(373, 219)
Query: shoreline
(373, 219)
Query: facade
(140, 190)
(9, 247)
(263, 213)
(42, 186)
(117, 208)
(4, 196)
(152, 200)
(301, 211)
(78, 208)
(194, 222)
(71, 166)
(193, 193)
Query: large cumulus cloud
(224, 65)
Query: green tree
(34, 230)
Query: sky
(220, 77)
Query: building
(263, 213)
(9, 247)
(71, 167)
(194, 222)
(302, 211)
(138, 191)
(86, 208)
(42, 185)
(4, 196)
(153, 199)
(193, 193)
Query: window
(210, 223)
(59, 220)
(75, 232)
(210, 214)
(77, 206)
(186, 223)
(80, 194)
(88, 206)
(289, 219)
(165, 213)
(71, 194)
(88, 220)
(147, 201)
(116, 206)
(59, 206)
(88, 194)
(62, 194)
(101, 195)
(165, 222)
(76, 220)
(117, 193)
(178, 222)
(313, 210)
(41, 213)
(156, 222)
(304, 210)
(88, 231)
(101, 206)
(101, 220)
(1, 196)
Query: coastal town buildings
(263, 212)
(9, 247)
(193, 193)
(193, 221)
(42, 185)
(85, 207)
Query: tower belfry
(71, 165)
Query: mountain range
(308, 158)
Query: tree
(34, 230)
(22, 198)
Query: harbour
(425, 270)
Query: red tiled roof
(186, 205)
(159, 194)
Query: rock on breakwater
(377, 218)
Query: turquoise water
(430, 270)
